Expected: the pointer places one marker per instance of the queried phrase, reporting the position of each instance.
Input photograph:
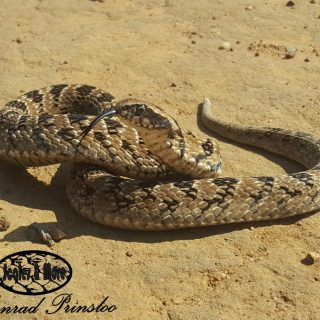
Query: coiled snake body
(135, 168)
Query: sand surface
(168, 52)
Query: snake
(134, 167)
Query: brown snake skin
(135, 168)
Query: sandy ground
(168, 52)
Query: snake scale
(133, 167)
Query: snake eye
(140, 110)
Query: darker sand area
(168, 52)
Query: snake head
(140, 114)
(143, 114)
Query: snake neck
(184, 152)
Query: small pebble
(173, 85)
(173, 315)
(311, 258)
(257, 54)
(290, 4)
(4, 223)
(57, 234)
(225, 46)
(312, 1)
(18, 40)
(306, 60)
(129, 253)
(291, 52)
(316, 52)
(249, 8)
(44, 235)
